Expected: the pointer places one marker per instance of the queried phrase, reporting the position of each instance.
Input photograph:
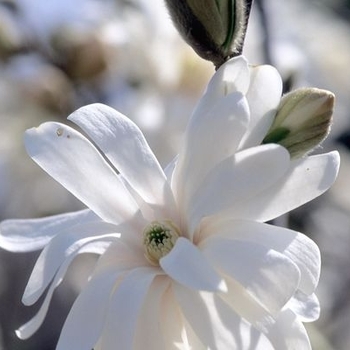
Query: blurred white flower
(186, 261)
(54, 14)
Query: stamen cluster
(159, 238)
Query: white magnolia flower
(187, 261)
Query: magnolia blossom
(186, 260)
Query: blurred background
(57, 55)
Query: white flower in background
(187, 261)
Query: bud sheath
(303, 120)
(214, 28)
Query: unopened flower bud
(303, 120)
(214, 29)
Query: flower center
(159, 237)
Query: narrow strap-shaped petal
(57, 251)
(86, 319)
(201, 313)
(245, 304)
(28, 329)
(288, 332)
(176, 330)
(305, 180)
(285, 331)
(209, 139)
(236, 179)
(126, 147)
(122, 254)
(264, 95)
(124, 308)
(232, 76)
(187, 265)
(246, 336)
(73, 161)
(169, 169)
(146, 209)
(270, 277)
(307, 307)
(296, 246)
(216, 324)
(25, 235)
(148, 330)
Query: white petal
(306, 179)
(200, 311)
(294, 245)
(57, 251)
(263, 97)
(215, 323)
(270, 277)
(149, 334)
(33, 325)
(176, 331)
(169, 169)
(86, 319)
(190, 340)
(232, 76)
(288, 333)
(73, 161)
(245, 304)
(188, 266)
(124, 308)
(148, 211)
(307, 307)
(25, 235)
(237, 179)
(246, 337)
(122, 254)
(284, 333)
(125, 146)
(209, 139)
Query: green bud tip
(302, 121)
